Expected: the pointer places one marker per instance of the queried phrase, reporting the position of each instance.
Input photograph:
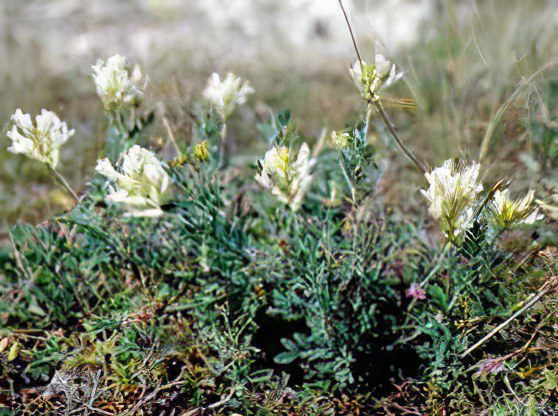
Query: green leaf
(437, 294)
(286, 357)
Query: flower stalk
(58, 178)
(391, 128)
(372, 81)
(353, 38)
(225, 96)
(224, 151)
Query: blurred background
(470, 66)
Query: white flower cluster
(116, 83)
(140, 184)
(507, 212)
(225, 95)
(40, 140)
(452, 195)
(287, 174)
(371, 79)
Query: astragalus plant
(200, 284)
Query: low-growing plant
(199, 285)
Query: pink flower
(416, 292)
(490, 366)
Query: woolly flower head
(452, 194)
(225, 95)
(139, 182)
(287, 173)
(507, 212)
(40, 140)
(117, 84)
(370, 79)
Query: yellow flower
(287, 174)
(452, 194)
(201, 151)
(40, 140)
(139, 183)
(507, 212)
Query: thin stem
(391, 127)
(350, 183)
(368, 118)
(352, 35)
(223, 146)
(547, 287)
(387, 120)
(118, 144)
(58, 178)
(120, 126)
(171, 136)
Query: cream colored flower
(40, 140)
(225, 95)
(507, 212)
(371, 79)
(117, 84)
(452, 195)
(140, 184)
(287, 174)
